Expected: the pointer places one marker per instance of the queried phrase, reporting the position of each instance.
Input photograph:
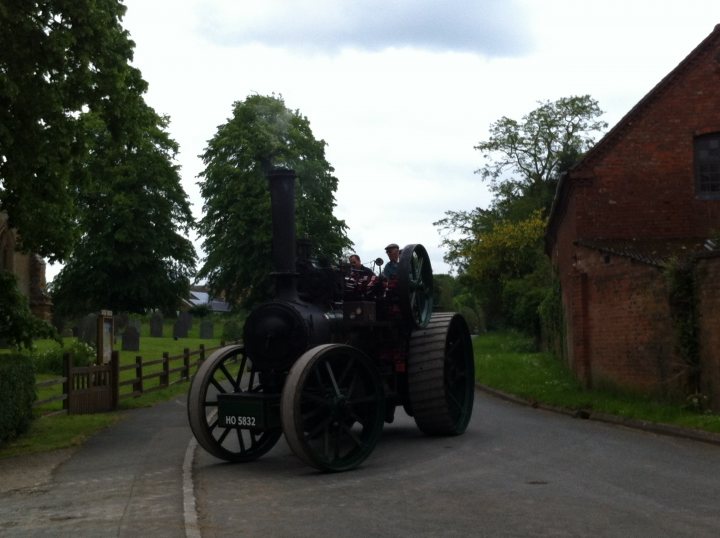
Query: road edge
(653, 427)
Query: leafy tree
(262, 133)
(548, 141)
(133, 254)
(58, 60)
(524, 160)
(499, 250)
(507, 270)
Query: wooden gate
(91, 389)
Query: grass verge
(63, 431)
(506, 361)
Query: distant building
(29, 269)
(647, 193)
(199, 296)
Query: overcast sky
(401, 90)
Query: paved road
(518, 471)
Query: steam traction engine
(331, 357)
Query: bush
(51, 360)
(18, 327)
(476, 323)
(233, 329)
(17, 394)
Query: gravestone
(131, 339)
(206, 329)
(136, 324)
(180, 330)
(186, 319)
(87, 329)
(156, 325)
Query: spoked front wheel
(333, 407)
(227, 371)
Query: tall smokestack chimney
(282, 202)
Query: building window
(707, 166)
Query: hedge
(17, 394)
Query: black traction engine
(329, 359)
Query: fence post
(67, 384)
(186, 364)
(138, 385)
(165, 376)
(115, 378)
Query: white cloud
(482, 26)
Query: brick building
(29, 269)
(646, 194)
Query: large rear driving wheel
(441, 375)
(228, 370)
(333, 407)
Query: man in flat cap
(393, 254)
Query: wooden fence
(97, 388)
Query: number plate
(252, 411)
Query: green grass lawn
(508, 362)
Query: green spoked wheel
(227, 371)
(415, 285)
(441, 375)
(333, 407)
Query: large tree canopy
(58, 60)
(86, 167)
(261, 134)
(134, 254)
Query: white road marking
(192, 530)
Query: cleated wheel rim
(332, 407)
(227, 370)
(441, 375)
(415, 285)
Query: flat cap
(392, 245)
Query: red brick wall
(639, 184)
(630, 337)
(562, 259)
(708, 286)
(644, 183)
